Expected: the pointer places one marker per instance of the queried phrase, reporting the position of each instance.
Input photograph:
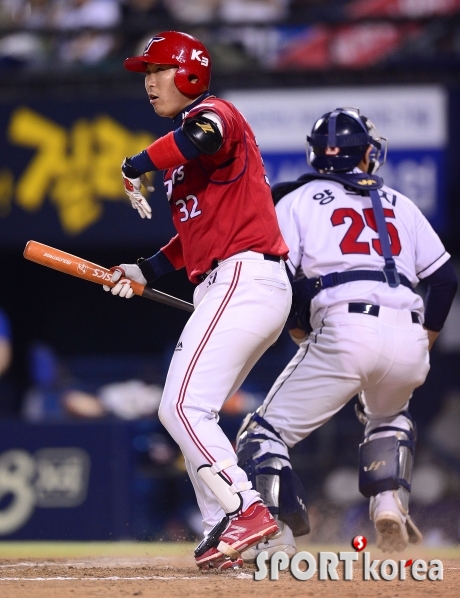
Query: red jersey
(221, 203)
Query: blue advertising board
(66, 481)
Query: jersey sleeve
(290, 230)
(220, 113)
(430, 253)
(175, 148)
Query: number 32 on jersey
(188, 207)
(350, 243)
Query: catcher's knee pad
(228, 495)
(264, 457)
(386, 461)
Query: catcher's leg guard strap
(227, 494)
(386, 463)
(251, 421)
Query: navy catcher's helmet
(339, 140)
(182, 50)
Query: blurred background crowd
(275, 34)
(81, 373)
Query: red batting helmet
(186, 52)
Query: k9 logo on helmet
(196, 55)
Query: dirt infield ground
(45, 570)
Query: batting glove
(123, 275)
(133, 191)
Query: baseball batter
(357, 249)
(229, 241)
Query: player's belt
(373, 310)
(272, 258)
(310, 287)
(335, 278)
(215, 263)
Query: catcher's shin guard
(264, 457)
(386, 460)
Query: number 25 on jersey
(350, 243)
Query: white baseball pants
(240, 310)
(385, 356)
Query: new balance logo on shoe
(235, 531)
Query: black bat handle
(149, 293)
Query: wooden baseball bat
(81, 268)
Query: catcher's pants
(240, 310)
(385, 356)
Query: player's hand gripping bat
(81, 268)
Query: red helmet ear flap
(191, 82)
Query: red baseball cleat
(251, 527)
(220, 562)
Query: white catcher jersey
(330, 229)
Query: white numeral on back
(193, 212)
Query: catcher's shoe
(222, 548)
(395, 529)
(282, 540)
(391, 532)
